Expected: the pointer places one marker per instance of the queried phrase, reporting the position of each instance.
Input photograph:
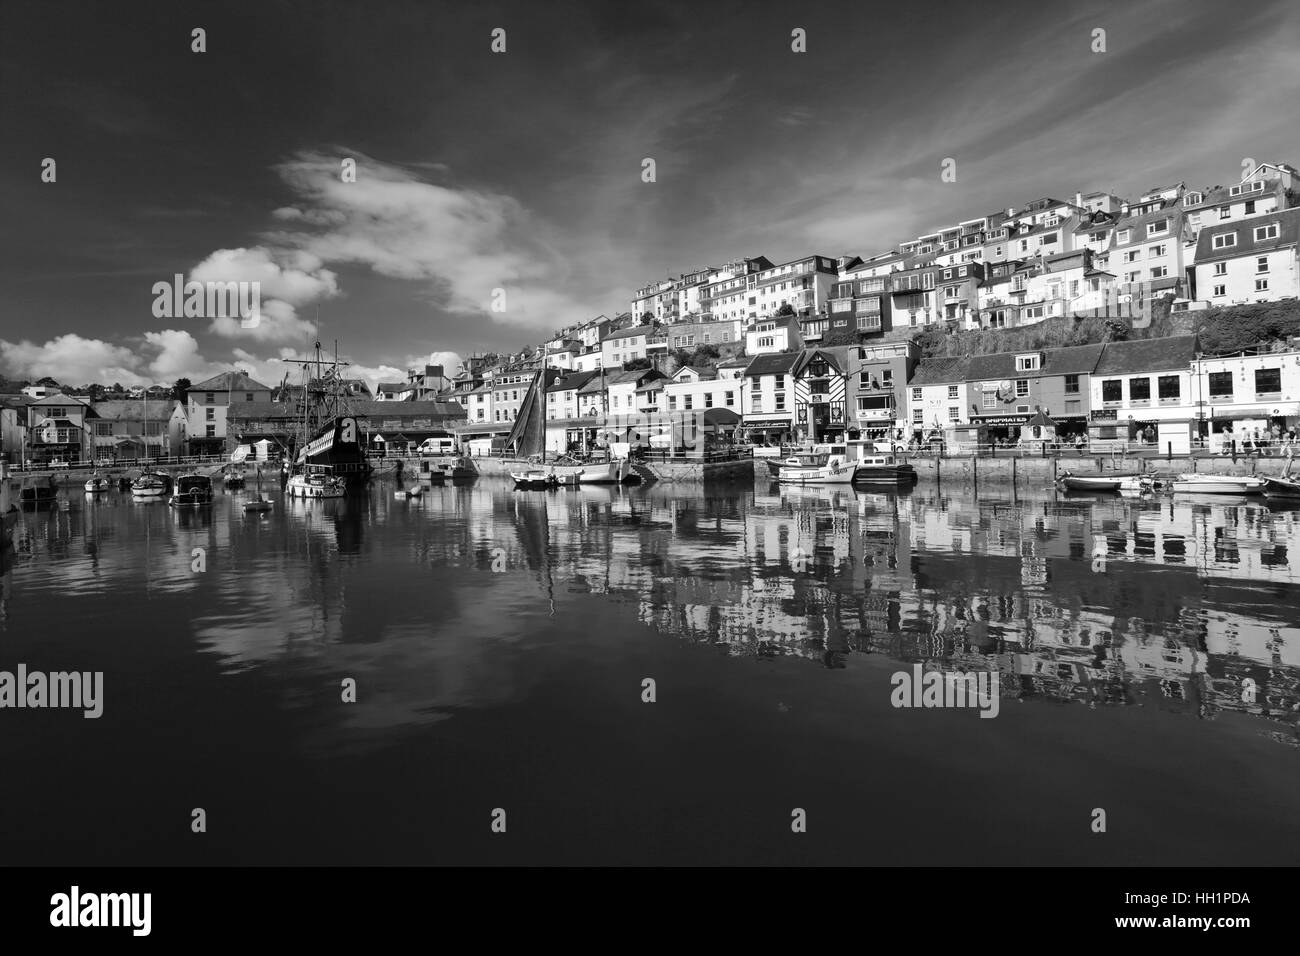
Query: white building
(935, 395)
(691, 389)
(773, 335)
(767, 398)
(1240, 394)
(1250, 260)
(208, 403)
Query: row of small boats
(615, 472)
(1194, 483)
(834, 465)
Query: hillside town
(819, 349)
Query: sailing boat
(329, 441)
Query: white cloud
(73, 360)
(287, 279)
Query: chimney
(1078, 199)
(1011, 211)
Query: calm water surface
(499, 641)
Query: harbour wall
(1043, 472)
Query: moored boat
(97, 484)
(192, 491)
(534, 479)
(1209, 484)
(235, 480)
(1283, 487)
(607, 473)
(315, 481)
(883, 470)
(1113, 481)
(152, 484)
(38, 491)
(825, 465)
(259, 503)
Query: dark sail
(528, 436)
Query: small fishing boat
(1112, 481)
(1209, 484)
(259, 503)
(235, 480)
(152, 484)
(408, 494)
(534, 479)
(316, 481)
(1283, 487)
(38, 491)
(97, 484)
(607, 473)
(826, 465)
(883, 470)
(192, 491)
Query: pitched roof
(627, 333)
(1072, 360)
(772, 363)
(1288, 232)
(572, 381)
(134, 410)
(940, 371)
(236, 381)
(1147, 355)
(999, 366)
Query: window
(207, 398)
(730, 399)
(1073, 408)
(1022, 387)
(1121, 237)
(1169, 388)
(918, 416)
(688, 402)
(951, 292)
(1250, 208)
(1266, 232)
(212, 414)
(1155, 252)
(1133, 255)
(1133, 276)
(1159, 272)
(1261, 285)
(780, 402)
(916, 394)
(954, 413)
(1026, 363)
(990, 399)
(1034, 312)
(927, 280)
(1220, 291)
(1268, 380)
(672, 403)
(1220, 268)
(211, 431)
(1160, 225)
(947, 273)
(1072, 385)
(1139, 389)
(1225, 240)
(780, 381)
(1220, 385)
(1112, 390)
(248, 396)
(952, 391)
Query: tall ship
(329, 439)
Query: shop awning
(1000, 419)
(768, 422)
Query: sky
(522, 170)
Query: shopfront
(1265, 424)
(768, 430)
(820, 422)
(999, 430)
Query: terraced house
(1249, 259)
(1142, 391)
(820, 393)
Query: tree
(647, 318)
(181, 388)
(636, 364)
(786, 309)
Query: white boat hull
(829, 475)
(610, 473)
(298, 487)
(1225, 485)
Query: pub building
(820, 383)
(1008, 389)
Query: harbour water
(1148, 655)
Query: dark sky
(522, 170)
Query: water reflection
(1112, 602)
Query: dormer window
(1192, 199)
